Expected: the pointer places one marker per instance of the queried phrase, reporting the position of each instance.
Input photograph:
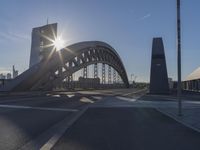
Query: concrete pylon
(42, 43)
(158, 77)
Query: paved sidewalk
(190, 117)
(191, 109)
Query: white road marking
(126, 99)
(60, 132)
(38, 108)
(135, 92)
(89, 92)
(70, 95)
(55, 95)
(86, 100)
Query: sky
(127, 25)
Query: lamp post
(179, 58)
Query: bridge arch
(78, 56)
(66, 62)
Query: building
(9, 76)
(42, 43)
(158, 75)
(15, 72)
(192, 81)
(171, 83)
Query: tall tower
(158, 78)
(15, 72)
(42, 43)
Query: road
(25, 117)
(100, 119)
(127, 129)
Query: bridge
(59, 68)
(56, 68)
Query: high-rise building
(15, 72)
(158, 78)
(42, 43)
(9, 76)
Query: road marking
(89, 92)
(54, 139)
(55, 95)
(138, 91)
(70, 95)
(38, 108)
(126, 99)
(86, 100)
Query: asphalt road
(27, 119)
(128, 129)
(24, 119)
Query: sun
(59, 43)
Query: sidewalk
(191, 109)
(190, 117)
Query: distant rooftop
(194, 75)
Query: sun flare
(59, 43)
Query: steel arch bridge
(60, 65)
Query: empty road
(84, 120)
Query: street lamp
(179, 58)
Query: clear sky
(127, 25)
